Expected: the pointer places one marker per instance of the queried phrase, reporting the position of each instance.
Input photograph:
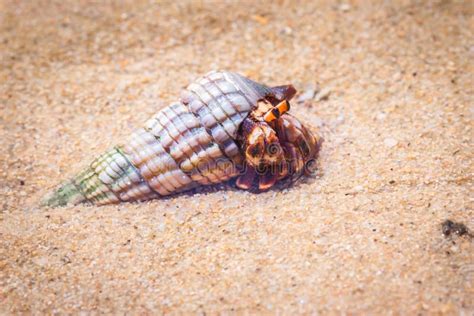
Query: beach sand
(362, 235)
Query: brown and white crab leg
(300, 145)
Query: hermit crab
(224, 126)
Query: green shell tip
(64, 195)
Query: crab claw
(268, 179)
(245, 181)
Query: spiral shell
(189, 143)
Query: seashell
(197, 140)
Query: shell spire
(189, 143)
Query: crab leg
(268, 179)
(283, 168)
(294, 159)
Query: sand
(363, 235)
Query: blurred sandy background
(362, 236)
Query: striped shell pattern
(189, 143)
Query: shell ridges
(191, 142)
